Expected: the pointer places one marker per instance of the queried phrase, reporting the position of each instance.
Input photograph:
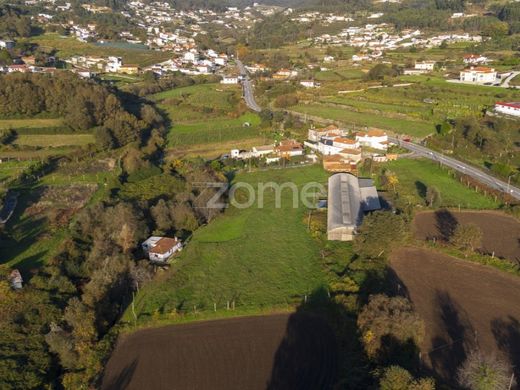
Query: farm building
(15, 279)
(160, 249)
(508, 108)
(349, 197)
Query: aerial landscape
(240, 195)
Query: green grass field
(54, 140)
(217, 130)
(29, 123)
(69, 46)
(199, 115)
(414, 128)
(415, 175)
(256, 257)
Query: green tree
(391, 330)
(379, 234)
(397, 378)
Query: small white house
(309, 84)
(114, 64)
(160, 249)
(478, 75)
(508, 108)
(229, 80)
(425, 65)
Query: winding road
(248, 94)
(459, 166)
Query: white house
(229, 80)
(425, 65)
(6, 44)
(289, 148)
(160, 249)
(329, 131)
(508, 108)
(478, 75)
(474, 59)
(261, 151)
(191, 56)
(345, 143)
(375, 139)
(114, 64)
(309, 84)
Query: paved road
(506, 82)
(473, 172)
(249, 96)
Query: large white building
(508, 108)
(425, 65)
(348, 199)
(478, 75)
(375, 139)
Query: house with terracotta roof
(337, 163)
(329, 131)
(508, 108)
(160, 249)
(374, 138)
(475, 59)
(478, 75)
(289, 148)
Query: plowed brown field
(501, 232)
(296, 351)
(463, 304)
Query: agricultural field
(20, 124)
(45, 207)
(255, 257)
(206, 115)
(361, 120)
(296, 351)
(69, 46)
(463, 305)
(500, 232)
(416, 175)
(413, 109)
(54, 140)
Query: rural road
(506, 82)
(464, 168)
(249, 97)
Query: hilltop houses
(478, 75)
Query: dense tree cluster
(83, 105)
(60, 324)
(14, 23)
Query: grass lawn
(54, 140)
(216, 130)
(515, 81)
(215, 96)
(256, 257)
(29, 123)
(400, 126)
(416, 175)
(69, 46)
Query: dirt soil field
(501, 232)
(463, 304)
(296, 351)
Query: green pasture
(54, 140)
(256, 257)
(416, 175)
(414, 128)
(29, 123)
